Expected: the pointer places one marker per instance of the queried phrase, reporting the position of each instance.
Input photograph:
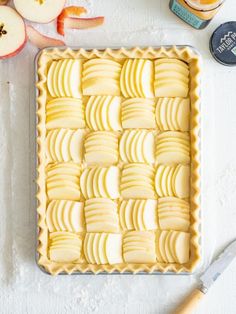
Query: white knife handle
(190, 303)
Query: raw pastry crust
(186, 54)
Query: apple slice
(41, 41)
(113, 248)
(66, 12)
(12, 32)
(83, 23)
(39, 11)
(76, 145)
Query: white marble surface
(23, 288)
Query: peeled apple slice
(101, 215)
(172, 215)
(101, 148)
(141, 188)
(112, 182)
(137, 146)
(139, 247)
(136, 78)
(64, 247)
(103, 113)
(106, 182)
(173, 148)
(71, 216)
(138, 214)
(103, 248)
(173, 114)
(63, 181)
(173, 247)
(65, 145)
(58, 86)
(176, 183)
(101, 77)
(138, 113)
(171, 78)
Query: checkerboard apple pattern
(118, 161)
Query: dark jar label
(223, 43)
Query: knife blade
(218, 266)
(208, 278)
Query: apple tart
(118, 160)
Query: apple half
(12, 32)
(40, 11)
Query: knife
(211, 274)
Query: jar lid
(223, 43)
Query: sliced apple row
(64, 78)
(173, 181)
(101, 215)
(65, 216)
(171, 78)
(138, 113)
(101, 148)
(101, 77)
(63, 181)
(139, 247)
(103, 248)
(137, 181)
(63, 145)
(100, 182)
(173, 214)
(136, 78)
(138, 214)
(64, 247)
(173, 114)
(103, 113)
(173, 148)
(172, 246)
(65, 113)
(137, 146)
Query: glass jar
(197, 13)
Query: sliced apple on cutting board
(40, 11)
(12, 32)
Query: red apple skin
(84, 23)
(17, 51)
(41, 41)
